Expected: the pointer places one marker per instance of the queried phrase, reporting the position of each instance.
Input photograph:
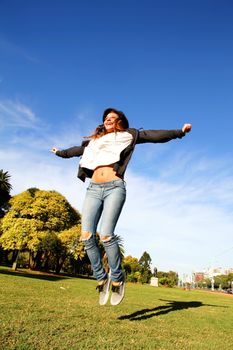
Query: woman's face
(110, 120)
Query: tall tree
(5, 188)
(145, 262)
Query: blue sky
(163, 63)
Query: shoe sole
(104, 302)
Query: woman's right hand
(54, 150)
(186, 128)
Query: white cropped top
(105, 150)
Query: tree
(132, 269)
(5, 188)
(168, 279)
(73, 248)
(145, 262)
(131, 264)
(222, 281)
(75, 258)
(33, 222)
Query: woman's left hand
(54, 150)
(187, 128)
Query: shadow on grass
(171, 306)
(33, 274)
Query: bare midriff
(104, 174)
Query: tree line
(221, 282)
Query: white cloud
(16, 114)
(11, 48)
(22, 129)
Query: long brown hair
(121, 124)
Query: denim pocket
(89, 187)
(121, 184)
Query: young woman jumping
(105, 156)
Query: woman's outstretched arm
(75, 151)
(160, 136)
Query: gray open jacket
(139, 136)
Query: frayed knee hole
(85, 235)
(105, 238)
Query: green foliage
(145, 270)
(5, 182)
(134, 277)
(138, 270)
(5, 188)
(33, 216)
(130, 264)
(70, 239)
(203, 284)
(46, 225)
(145, 260)
(220, 282)
(167, 279)
(132, 269)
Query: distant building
(198, 276)
(210, 273)
(216, 271)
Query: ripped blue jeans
(103, 203)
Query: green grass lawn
(50, 312)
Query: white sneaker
(104, 290)
(118, 293)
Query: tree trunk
(31, 261)
(46, 262)
(14, 266)
(59, 264)
(36, 260)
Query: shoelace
(116, 289)
(100, 287)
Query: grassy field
(50, 312)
